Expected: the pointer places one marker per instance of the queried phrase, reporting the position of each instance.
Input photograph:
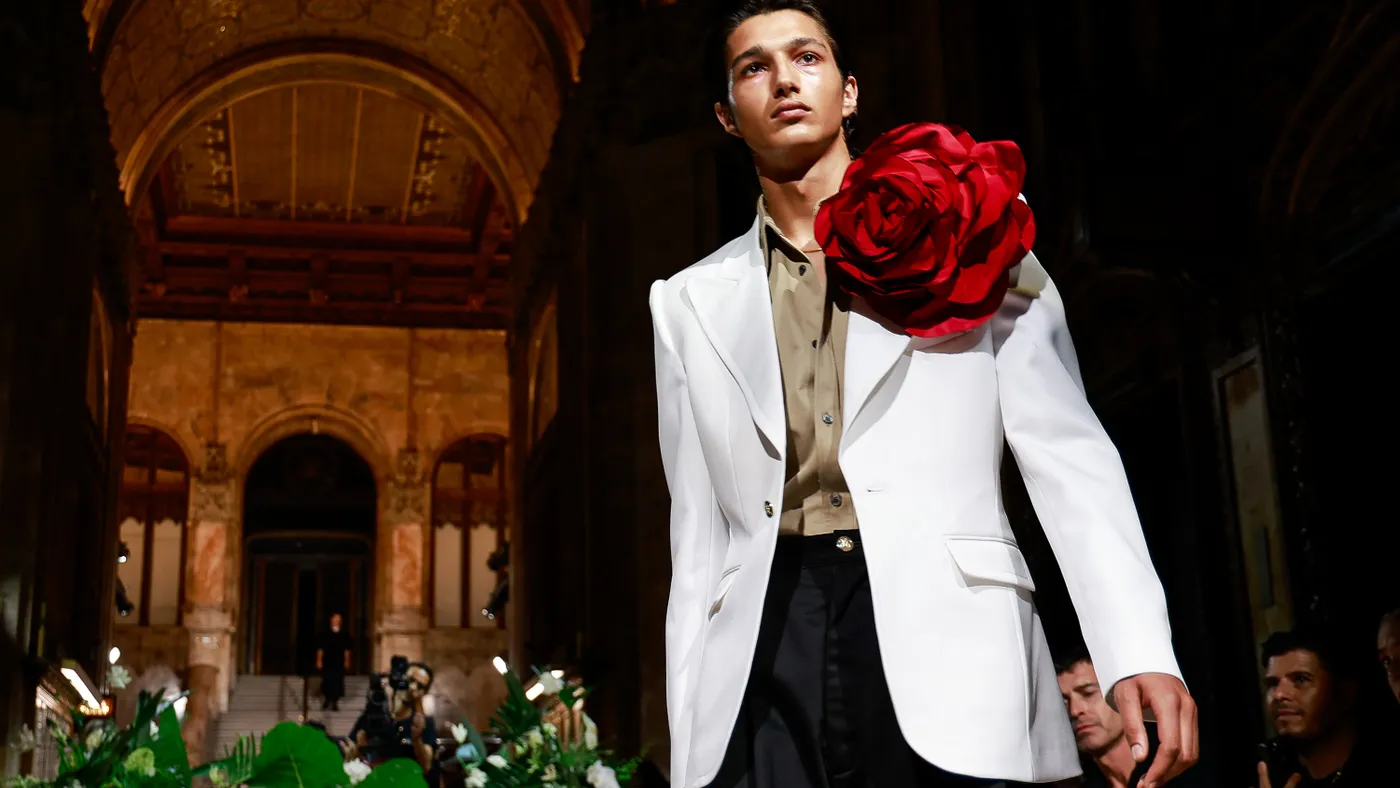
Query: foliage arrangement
(149, 753)
(532, 753)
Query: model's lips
(1083, 727)
(1278, 713)
(790, 110)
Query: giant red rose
(927, 226)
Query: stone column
(208, 617)
(400, 620)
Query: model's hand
(1264, 778)
(1166, 696)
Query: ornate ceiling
(325, 203)
(492, 68)
(331, 161)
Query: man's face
(1096, 726)
(1300, 695)
(1388, 650)
(786, 93)
(418, 683)
(335, 621)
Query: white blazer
(972, 680)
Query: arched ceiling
(164, 54)
(347, 161)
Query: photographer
(394, 724)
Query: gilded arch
(482, 63)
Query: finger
(1293, 781)
(1263, 770)
(1130, 707)
(1167, 707)
(1190, 734)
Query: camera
(377, 719)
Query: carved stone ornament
(406, 466)
(405, 503)
(213, 503)
(215, 469)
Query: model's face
(335, 621)
(1097, 727)
(1388, 650)
(1300, 694)
(786, 92)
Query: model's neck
(793, 190)
(1328, 754)
(1117, 763)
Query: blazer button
(827, 419)
(768, 508)
(835, 499)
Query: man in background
(1098, 729)
(1313, 699)
(1388, 650)
(333, 662)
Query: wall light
(114, 655)
(78, 678)
(501, 666)
(558, 674)
(534, 691)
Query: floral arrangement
(532, 751)
(149, 753)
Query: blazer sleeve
(693, 509)
(1079, 489)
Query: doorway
(309, 514)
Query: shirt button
(768, 508)
(826, 418)
(801, 270)
(835, 499)
(814, 343)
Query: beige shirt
(811, 332)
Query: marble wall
(227, 392)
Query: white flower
(551, 684)
(459, 732)
(476, 778)
(550, 774)
(590, 733)
(600, 776)
(24, 740)
(94, 739)
(551, 729)
(118, 677)
(497, 761)
(357, 770)
(533, 739)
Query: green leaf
(297, 757)
(169, 746)
(398, 773)
(237, 765)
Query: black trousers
(817, 712)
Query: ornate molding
(213, 503)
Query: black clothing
(1368, 766)
(334, 646)
(817, 712)
(398, 743)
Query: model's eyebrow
(759, 49)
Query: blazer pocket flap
(990, 561)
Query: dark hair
(1072, 657)
(1333, 659)
(748, 9)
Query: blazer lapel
(872, 348)
(735, 310)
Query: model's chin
(800, 135)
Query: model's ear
(850, 95)
(725, 115)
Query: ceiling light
(78, 678)
(558, 674)
(534, 691)
(114, 655)
(501, 666)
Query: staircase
(260, 702)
